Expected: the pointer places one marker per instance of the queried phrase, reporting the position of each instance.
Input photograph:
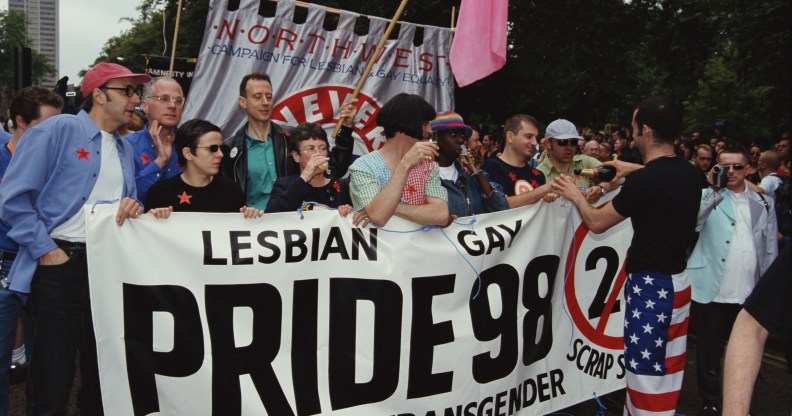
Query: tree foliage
(589, 62)
(13, 33)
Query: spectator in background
(155, 152)
(753, 166)
(696, 137)
(703, 161)
(469, 190)
(767, 168)
(592, 148)
(473, 147)
(199, 147)
(522, 184)
(606, 152)
(311, 150)
(686, 148)
(29, 107)
(782, 148)
(401, 178)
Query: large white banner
(212, 314)
(315, 70)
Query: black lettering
(574, 353)
(529, 400)
(237, 246)
(387, 299)
(557, 382)
(316, 235)
(542, 386)
(142, 362)
(305, 375)
(335, 244)
(611, 268)
(207, 245)
(495, 240)
(476, 243)
(500, 403)
(370, 249)
(255, 359)
(425, 334)
(487, 328)
(512, 233)
(515, 400)
(262, 240)
(538, 307)
(295, 240)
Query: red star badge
(534, 184)
(410, 189)
(337, 187)
(513, 177)
(82, 154)
(145, 159)
(184, 198)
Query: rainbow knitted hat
(450, 120)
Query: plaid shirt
(370, 174)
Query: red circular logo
(322, 105)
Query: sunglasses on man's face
(735, 166)
(212, 148)
(129, 90)
(566, 142)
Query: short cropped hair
(256, 76)
(305, 131)
(188, 134)
(735, 150)
(662, 116)
(514, 123)
(405, 113)
(149, 86)
(771, 158)
(28, 101)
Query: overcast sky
(85, 26)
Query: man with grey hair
(155, 157)
(592, 148)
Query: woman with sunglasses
(198, 188)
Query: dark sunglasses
(566, 142)
(129, 90)
(212, 148)
(735, 166)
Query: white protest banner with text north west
(314, 70)
(212, 314)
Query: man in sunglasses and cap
(562, 160)
(63, 164)
(736, 245)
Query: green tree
(13, 33)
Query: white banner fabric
(212, 314)
(314, 70)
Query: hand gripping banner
(212, 314)
(314, 70)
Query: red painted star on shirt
(184, 198)
(337, 187)
(512, 176)
(82, 154)
(145, 159)
(411, 189)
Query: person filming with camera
(737, 243)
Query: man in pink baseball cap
(65, 163)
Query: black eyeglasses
(129, 90)
(735, 166)
(566, 142)
(212, 148)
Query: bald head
(770, 159)
(592, 148)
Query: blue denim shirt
(146, 171)
(50, 178)
(466, 188)
(6, 244)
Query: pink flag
(479, 46)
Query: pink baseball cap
(105, 71)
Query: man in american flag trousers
(661, 198)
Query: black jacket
(234, 164)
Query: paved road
(772, 396)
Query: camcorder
(720, 176)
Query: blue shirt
(146, 171)
(4, 136)
(51, 176)
(6, 244)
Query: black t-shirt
(514, 180)
(221, 195)
(662, 201)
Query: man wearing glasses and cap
(562, 160)
(736, 245)
(62, 165)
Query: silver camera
(720, 176)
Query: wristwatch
(602, 191)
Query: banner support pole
(370, 64)
(175, 38)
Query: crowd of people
(708, 218)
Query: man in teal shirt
(258, 154)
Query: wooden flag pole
(370, 64)
(175, 38)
